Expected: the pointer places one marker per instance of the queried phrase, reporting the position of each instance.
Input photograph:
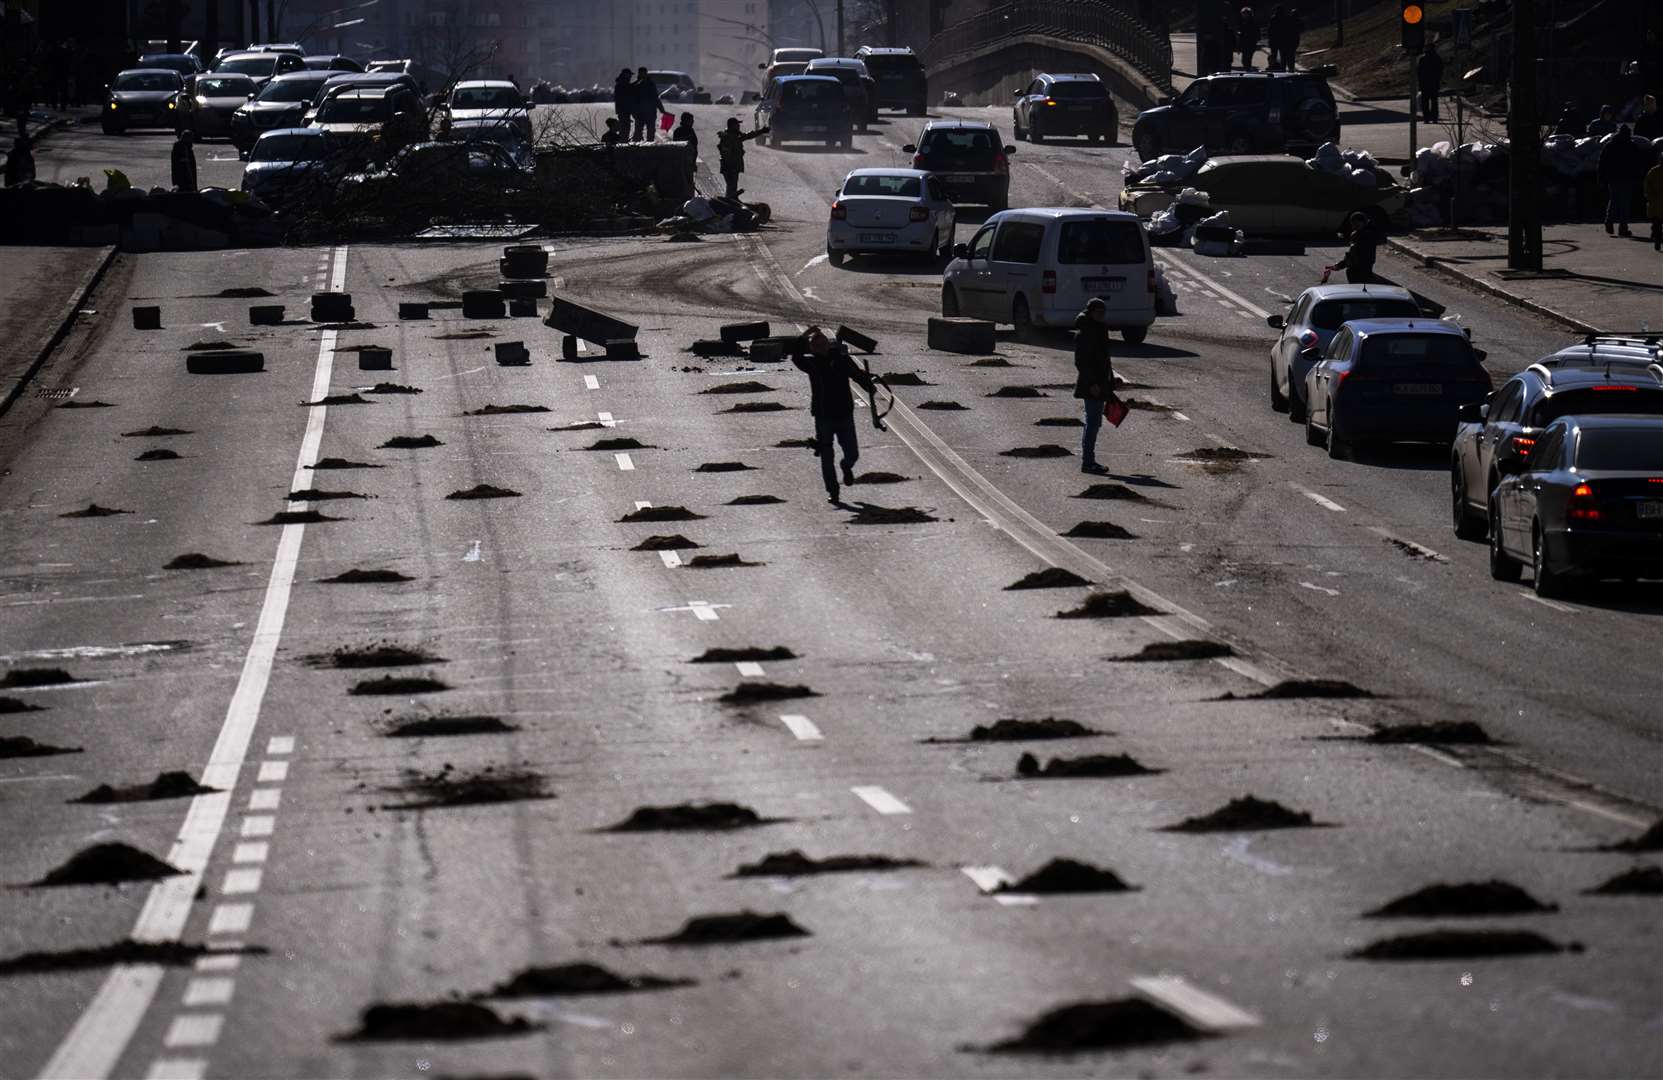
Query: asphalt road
(337, 854)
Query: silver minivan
(1040, 265)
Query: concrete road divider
(225, 362)
(767, 350)
(523, 261)
(622, 349)
(961, 335)
(857, 339)
(524, 290)
(371, 358)
(512, 353)
(266, 315)
(745, 331)
(587, 323)
(568, 347)
(522, 309)
(147, 318)
(483, 304)
(412, 311)
(332, 307)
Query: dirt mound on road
(1069, 876)
(1444, 732)
(507, 410)
(1291, 689)
(10, 705)
(158, 455)
(392, 388)
(944, 406)
(725, 466)
(869, 514)
(1044, 450)
(660, 513)
(1650, 840)
(167, 785)
(1638, 881)
(1100, 530)
(570, 980)
(1052, 577)
(93, 510)
(379, 655)
(618, 444)
(1019, 392)
(1013, 730)
(1099, 1025)
(1460, 945)
(752, 653)
(754, 692)
(1191, 649)
(483, 491)
(749, 387)
(1246, 814)
(691, 817)
(1108, 605)
(20, 678)
(197, 561)
(342, 463)
(1468, 899)
(716, 562)
(440, 1020)
(449, 787)
(666, 542)
(756, 500)
(731, 929)
(299, 517)
(162, 953)
(21, 746)
(448, 726)
(1113, 492)
(338, 399)
(410, 442)
(108, 864)
(318, 495)
(396, 684)
(796, 864)
(154, 431)
(367, 577)
(1092, 765)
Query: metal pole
(840, 50)
(1524, 136)
(1414, 111)
(1455, 201)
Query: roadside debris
(758, 407)
(1099, 1025)
(747, 387)
(1068, 876)
(448, 726)
(338, 399)
(734, 333)
(796, 444)
(754, 691)
(318, 495)
(1246, 814)
(752, 653)
(796, 864)
(731, 929)
(1460, 945)
(870, 514)
(410, 442)
(660, 513)
(198, 561)
(108, 864)
(1011, 729)
(1019, 392)
(448, 787)
(1119, 604)
(586, 323)
(670, 542)
(397, 684)
(161, 953)
(299, 517)
(167, 785)
(716, 562)
(434, 1021)
(570, 980)
(1112, 492)
(755, 500)
(1193, 649)
(147, 317)
(19, 678)
(483, 491)
(725, 466)
(343, 463)
(1468, 899)
(881, 478)
(158, 455)
(1439, 732)
(366, 577)
(379, 655)
(944, 406)
(1290, 689)
(154, 431)
(11, 705)
(1637, 881)
(1099, 530)
(691, 817)
(618, 444)
(707, 348)
(903, 378)
(21, 746)
(1052, 577)
(227, 362)
(1090, 766)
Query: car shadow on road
(1408, 457)
(1634, 598)
(892, 263)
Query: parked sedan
(1588, 505)
(1311, 324)
(143, 98)
(968, 158)
(259, 66)
(289, 168)
(1392, 380)
(890, 210)
(486, 100)
(371, 123)
(1276, 196)
(216, 98)
(429, 179)
(806, 107)
(282, 103)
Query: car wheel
(1278, 401)
(1467, 526)
(1023, 319)
(1035, 135)
(1145, 145)
(1296, 404)
(1134, 335)
(834, 257)
(1313, 437)
(949, 302)
(1338, 448)
(1548, 582)
(1503, 567)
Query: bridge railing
(1087, 22)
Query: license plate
(961, 178)
(1103, 284)
(1422, 388)
(877, 238)
(1650, 510)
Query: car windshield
(884, 67)
(899, 186)
(1091, 91)
(958, 141)
(814, 93)
(351, 110)
(287, 148)
(486, 97)
(250, 65)
(285, 90)
(149, 80)
(1387, 351)
(1332, 314)
(224, 87)
(1633, 448)
(1594, 400)
(1100, 241)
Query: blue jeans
(1094, 421)
(842, 427)
(1617, 210)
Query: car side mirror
(1010, 149)
(762, 67)
(1471, 413)
(961, 251)
(1017, 94)
(909, 148)
(1480, 355)
(1275, 322)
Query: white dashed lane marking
(880, 800)
(671, 559)
(177, 1069)
(193, 1030)
(605, 419)
(1321, 500)
(625, 462)
(703, 610)
(591, 383)
(1203, 1010)
(987, 878)
(805, 731)
(231, 919)
(749, 669)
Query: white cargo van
(1038, 267)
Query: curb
(76, 303)
(1433, 262)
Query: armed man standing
(829, 371)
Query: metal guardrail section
(1087, 22)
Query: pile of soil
(163, 953)
(796, 864)
(367, 577)
(1052, 577)
(93, 510)
(730, 929)
(1246, 814)
(725, 466)
(1092, 765)
(881, 478)
(342, 463)
(750, 387)
(1099, 1025)
(752, 653)
(1460, 945)
(154, 431)
(1119, 604)
(1013, 730)
(715, 562)
(243, 293)
(1060, 421)
(439, 1020)
(618, 444)
(108, 864)
(507, 410)
(1019, 392)
(569, 980)
(660, 513)
(167, 785)
(396, 684)
(796, 444)
(1291, 689)
(448, 787)
(903, 378)
(1069, 876)
(691, 817)
(1099, 530)
(483, 491)
(9, 705)
(1444, 732)
(1464, 900)
(298, 517)
(158, 455)
(1044, 450)
(447, 726)
(869, 514)
(464, 335)
(944, 406)
(379, 655)
(581, 425)
(197, 561)
(669, 542)
(752, 692)
(1144, 405)
(318, 495)
(86, 405)
(410, 442)
(23, 677)
(1113, 492)
(1637, 881)
(1191, 649)
(338, 399)
(755, 500)
(1220, 453)
(21, 746)
(992, 361)
(392, 388)
(1650, 840)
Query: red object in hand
(1114, 410)
(666, 121)
(1325, 272)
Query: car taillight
(1625, 389)
(1000, 165)
(1523, 444)
(1582, 506)
(918, 213)
(838, 213)
(1048, 282)
(918, 161)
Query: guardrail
(1086, 22)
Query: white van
(1038, 267)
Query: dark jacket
(1619, 161)
(1600, 127)
(828, 381)
(1359, 257)
(1429, 71)
(646, 103)
(686, 135)
(730, 148)
(1247, 33)
(184, 165)
(1091, 358)
(623, 95)
(20, 164)
(1649, 125)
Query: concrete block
(522, 309)
(412, 311)
(371, 359)
(512, 353)
(483, 304)
(147, 318)
(748, 331)
(523, 261)
(961, 335)
(587, 323)
(568, 347)
(622, 349)
(225, 362)
(265, 315)
(535, 289)
(857, 339)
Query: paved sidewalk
(1590, 281)
(45, 286)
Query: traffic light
(1413, 25)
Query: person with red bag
(1095, 383)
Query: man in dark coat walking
(730, 149)
(184, 161)
(647, 107)
(1619, 165)
(1358, 262)
(1095, 382)
(1429, 76)
(830, 371)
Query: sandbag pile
(1216, 236)
(1358, 166)
(1568, 175)
(137, 220)
(1166, 169)
(716, 215)
(1173, 227)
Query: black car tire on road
(1468, 526)
(949, 303)
(1022, 317)
(1278, 401)
(1313, 437)
(1503, 567)
(834, 257)
(1548, 583)
(1134, 335)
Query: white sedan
(890, 210)
(478, 101)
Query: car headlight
(173, 104)
(112, 104)
(200, 100)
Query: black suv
(966, 156)
(900, 78)
(1242, 112)
(1065, 105)
(1605, 374)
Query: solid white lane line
(266, 798)
(193, 1029)
(231, 919)
(1419, 549)
(1554, 604)
(591, 383)
(241, 881)
(261, 825)
(177, 1069)
(1203, 1010)
(671, 559)
(273, 772)
(99, 1037)
(1319, 588)
(749, 669)
(280, 744)
(605, 419)
(1321, 500)
(880, 800)
(1205, 280)
(802, 727)
(988, 878)
(625, 462)
(255, 852)
(215, 991)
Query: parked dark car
(260, 66)
(1392, 380)
(428, 179)
(371, 124)
(1587, 505)
(185, 64)
(143, 98)
(213, 100)
(900, 78)
(1311, 323)
(284, 102)
(1055, 105)
(857, 84)
(1242, 112)
(1495, 439)
(800, 108)
(968, 157)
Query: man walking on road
(647, 107)
(1358, 262)
(184, 161)
(1429, 74)
(1095, 382)
(1619, 164)
(829, 371)
(730, 149)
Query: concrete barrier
(483, 304)
(522, 309)
(375, 359)
(265, 315)
(412, 311)
(535, 289)
(622, 349)
(225, 362)
(961, 335)
(587, 323)
(147, 318)
(512, 353)
(747, 331)
(857, 339)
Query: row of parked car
(1561, 469)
